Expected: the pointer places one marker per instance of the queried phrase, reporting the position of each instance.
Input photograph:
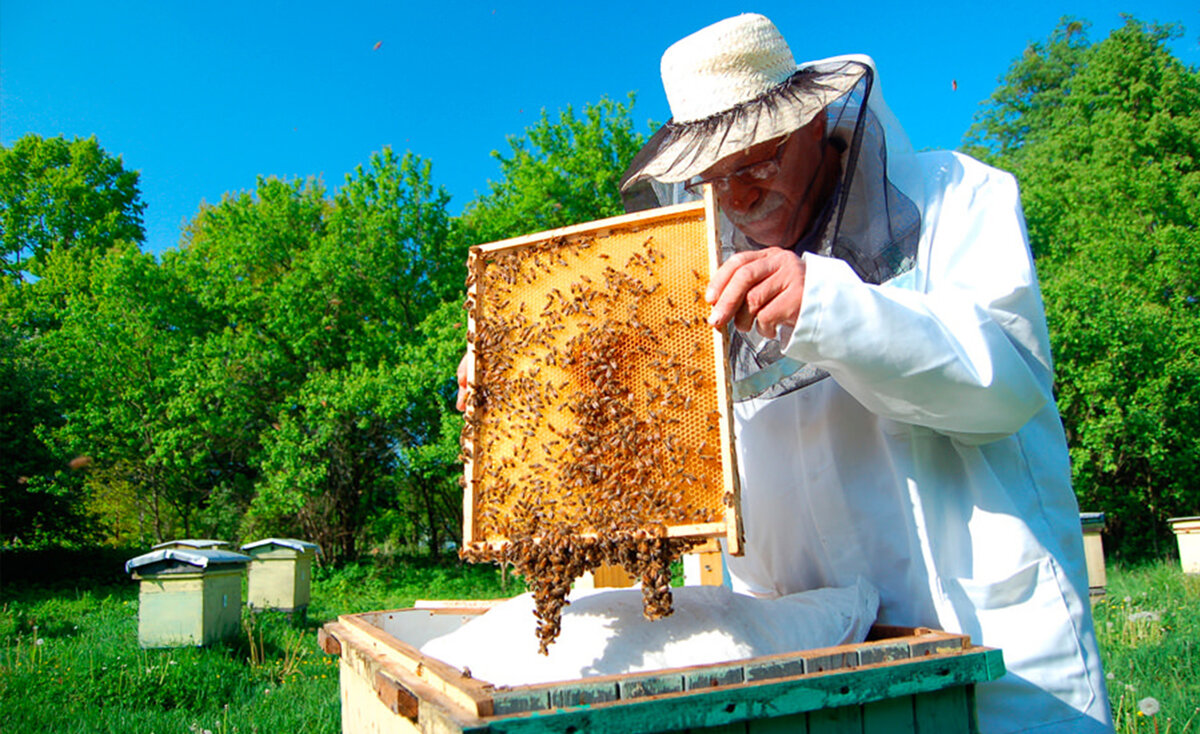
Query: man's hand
(462, 384)
(759, 287)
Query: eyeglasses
(753, 174)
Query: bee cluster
(592, 424)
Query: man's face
(776, 211)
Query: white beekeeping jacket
(924, 452)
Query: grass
(1148, 625)
(70, 662)
(69, 659)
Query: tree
(559, 173)
(63, 206)
(315, 306)
(59, 194)
(1105, 141)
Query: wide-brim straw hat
(730, 86)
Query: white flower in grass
(1110, 676)
(1148, 706)
(40, 641)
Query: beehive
(594, 371)
(279, 575)
(188, 596)
(900, 681)
(598, 420)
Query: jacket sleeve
(965, 351)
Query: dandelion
(1148, 706)
(40, 641)
(1110, 676)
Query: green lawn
(69, 660)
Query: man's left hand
(762, 288)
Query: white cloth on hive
(604, 632)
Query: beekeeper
(895, 418)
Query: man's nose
(738, 196)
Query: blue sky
(203, 97)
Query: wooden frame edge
(621, 220)
(735, 537)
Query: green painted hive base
(901, 681)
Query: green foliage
(288, 370)
(559, 173)
(1105, 140)
(63, 208)
(56, 194)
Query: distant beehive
(280, 573)
(598, 396)
(187, 596)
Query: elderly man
(892, 366)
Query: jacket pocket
(1026, 616)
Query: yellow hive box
(598, 394)
(279, 575)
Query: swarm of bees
(592, 427)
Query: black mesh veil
(872, 219)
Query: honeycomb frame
(615, 301)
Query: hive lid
(192, 543)
(296, 545)
(201, 558)
(1091, 518)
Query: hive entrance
(597, 425)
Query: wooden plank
(583, 693)
(396, 696)
(735, 535)
(747, 702)
(468, 444)
(711, 676)
(712, 571)
(362, 711)
(474, 696)
(724, 729)
(793, 724)
(649, 685)
(942, 711)
(612, 577)
(781, 666)
(328, 641)
(622, 221)
(511, 701)
(840, 720)
(838, 658)
(935, 643)
(890, 716)
(883, 652)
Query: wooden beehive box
(280, 573)
(900, 681)
(188, 596)
(598, 395)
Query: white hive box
(187, 597)
(1187, 532)
(280, 573)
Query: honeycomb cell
(597, 422)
